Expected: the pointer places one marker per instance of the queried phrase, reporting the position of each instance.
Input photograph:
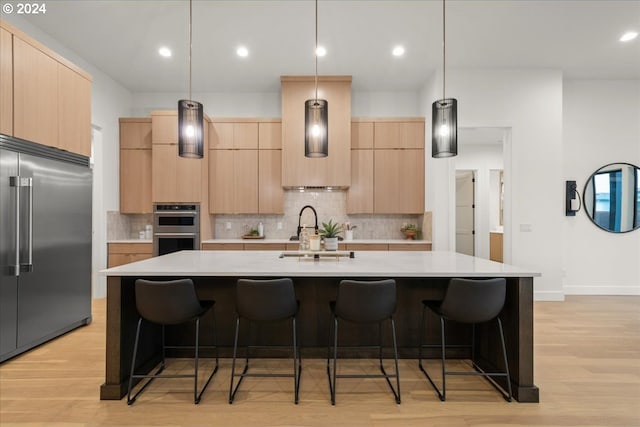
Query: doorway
(465, 212)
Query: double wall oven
(176, 227)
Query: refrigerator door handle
(14, 181)
(28, 266)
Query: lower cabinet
(124, 253)
(249, 246)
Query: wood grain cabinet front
(135, 165)
(6, 82)
(125, 253)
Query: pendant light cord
(315, 52)
(443, 50)
(190, 43)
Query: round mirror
(612, 197)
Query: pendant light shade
(190, 116)
(190, 126)
(444, 113)
(316, 117)
(444, 129)
(316, 143)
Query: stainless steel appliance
(45, 244)
(176, 227)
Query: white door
(465, 212)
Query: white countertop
(365, 264)
(356, 241)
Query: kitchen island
(419, 275)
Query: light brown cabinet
(243, 178)
(6, 82)
(47, 98)
(124, 253)
(495, 247)
(135, 165)
(387, 180)
(333, 170)
(174, 179)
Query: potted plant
(348, 230)
(410, 231)
(330, 231)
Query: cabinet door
(221, 136)
(245, 136)
(221, 181)
(164, 127)
(6, 82)
(361, 135)
(163, 172)
(135, 133)
(245, 165)
(135, 181)
(35, 96)
(74, 111)
(188, 178)
(360, 194)
(399, 181)
(399, 134)
(270, 192)
(270, 135)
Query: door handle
(28, 266)
(14, 181)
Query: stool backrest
(366, 301)
(272, 299)
(167, 302)
(473, 300)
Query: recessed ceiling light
(398, 51)
(165, 52)
(628, 36)
(242, 52)
(321, 51)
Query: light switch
(279, 225)
(227, 226)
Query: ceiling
(122, 38)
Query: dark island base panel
(314, 321)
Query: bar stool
(364, 302)
(469, 301)
(170, 302)
(265, 301)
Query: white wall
(601, 126)
(529, 102)
(481, 158)
(109, 101)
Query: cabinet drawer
(367, 247)
(222, 246)
(409, 246)
(265, 246)
(121, 259)
(130, 248)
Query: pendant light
(444, 112)
(316, 138)
(190, 116)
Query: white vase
(331, 243)
(348, 234)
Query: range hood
(333, 171)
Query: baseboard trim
(548, 296)
(602, 290)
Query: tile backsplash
(328, 204)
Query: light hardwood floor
(587, 365)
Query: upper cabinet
(387, 166)
(44, 98)
(135, 165)
(333, 170)
(174, 179)
(6, 82)
(245, 166)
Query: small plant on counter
(409, 227)
(330, 229)
(348, 227)
(410, 231)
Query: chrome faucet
(315, 214)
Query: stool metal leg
(232, 391)
(133, 362)
(335, 359)
(506, 362)
(443, 396)
(442, 347)
(196, 398)
(297, 366)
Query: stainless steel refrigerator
(45, 244)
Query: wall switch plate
(526, 228)
(227, 226)
(279, 225)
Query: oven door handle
(177, 213)
(174, 234)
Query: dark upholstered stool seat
(364, 302)
(265, 301)
(469, 301)
(170, 303)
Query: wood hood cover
(335, 169)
